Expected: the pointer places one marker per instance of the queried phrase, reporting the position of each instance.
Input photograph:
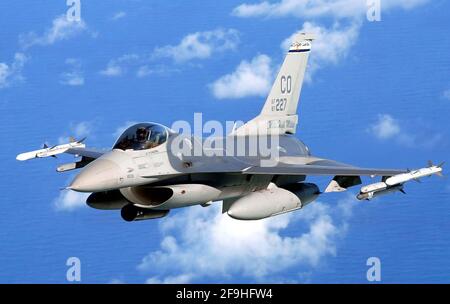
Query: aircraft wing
(89, 153)
(301, 166)
(320, 169)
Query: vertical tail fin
(284, 96)
(279, 114)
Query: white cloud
(78, 131)
(144, 71)
(253, 10)
(117, 67)
(112, 70)
(386, 127)
(201, 243)
(330, 45)
(73, 77)
(200, 45)
(11, 73)
(255, 78)
(418, 135)
(252, 78)
(119, 15)
(82, 129)
(333, 44)
(315, 9)
(61, 29)
(69, 200)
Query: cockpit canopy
(142, 136)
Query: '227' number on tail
(286, 84)
(279, 104)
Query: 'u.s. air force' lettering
(280, 123)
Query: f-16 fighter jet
(152, 169)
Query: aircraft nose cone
(99, 175)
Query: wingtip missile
(395, 182)
(49, 151)
(414, 175)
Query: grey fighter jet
(152, 169)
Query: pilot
(141, 138)
(141, 134)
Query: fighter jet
(151, 169)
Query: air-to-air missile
(47, 151)
(395, 183)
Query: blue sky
(377, 95)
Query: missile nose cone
(99, 175)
